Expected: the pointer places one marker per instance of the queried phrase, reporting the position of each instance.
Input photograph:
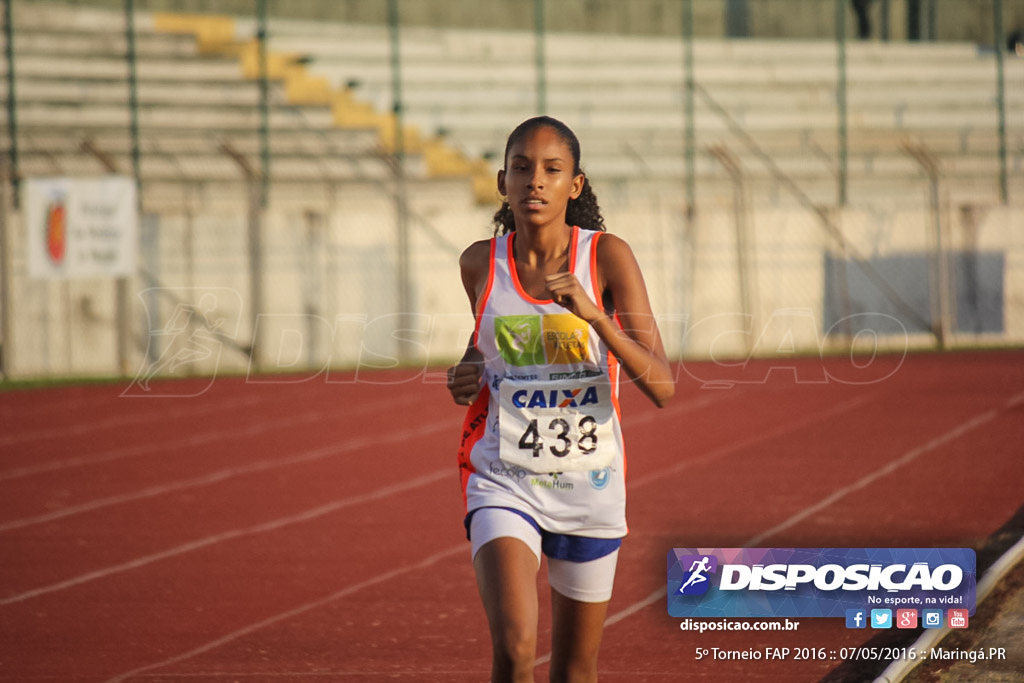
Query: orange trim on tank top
(595, 281)
(515, 273)
(486, 294)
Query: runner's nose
(537, 179)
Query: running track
(312, 531)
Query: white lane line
(316, 512)
(301, 609)
(657, 415)
(186, 443)
(613, 619)
(742, 444)
(883, 471)
(96, 425)
(693, 405)
(225, 474)
(191, 441)
(258, 466)
(905, 459)
(705, 458)
(273, 525)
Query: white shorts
(589, 581)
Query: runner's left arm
(635, 339)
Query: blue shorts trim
(561, 546)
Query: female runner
(560, 307)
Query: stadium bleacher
(624, 96)
(462, 90)
(767, 146)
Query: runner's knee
(515, 649)
(574, 672)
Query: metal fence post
(121, 287)
(940, 288)
(259, 191)
(133, 91)
(404, 274)
(8, 172)
(14, 173)
(688, 241)
(261, 37)
(689, 133)
(841, 98)
(913, 20)
(744, 271)
(6, 347)
(541, 59)
(997, 8)
(932, 18)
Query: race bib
(558, 425)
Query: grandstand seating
(462, 90)
(331, 230)
(73, 114)
(624, 97)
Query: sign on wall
(81, 227)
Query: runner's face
(538, 178)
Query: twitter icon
(881, 618)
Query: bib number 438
(565, 437)
(557, 426)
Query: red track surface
(312, 531)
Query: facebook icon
(856, 618)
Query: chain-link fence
(793, 176)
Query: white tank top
(546, 358)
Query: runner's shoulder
(475, 259)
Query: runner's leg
(506, 575)
(580, 592)
(575, 638)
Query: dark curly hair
(582, 211)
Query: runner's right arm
(464, 378)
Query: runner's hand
(464, 381)
(567, 291)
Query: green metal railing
(691, 22)
(921, 20)
(14, 175)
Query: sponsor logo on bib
(600, 479)
(556, 339)
(555, 398)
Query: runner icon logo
(696, 581)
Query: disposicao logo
(817, 582)
(696, 580)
